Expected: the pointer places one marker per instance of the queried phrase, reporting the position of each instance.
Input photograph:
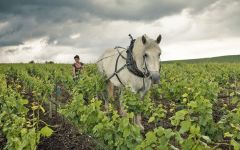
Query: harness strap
(116, 64)
(143, 87)
(120, 53)
(118, 70)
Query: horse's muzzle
(155, 77)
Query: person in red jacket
(77, 67)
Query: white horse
(146, 53)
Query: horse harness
(130, 64)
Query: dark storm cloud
(33, 19)
(10, 31)
(14, 50)
(59, 10)
(7, 32)
(11, 50)
(7, 42)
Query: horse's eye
(145, 55)
(159, 55)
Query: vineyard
(196, 106)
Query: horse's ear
(144, 40)
(159, 38)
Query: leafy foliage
(196, 106)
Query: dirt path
(3, 141)
(65, 137)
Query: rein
(130, 64)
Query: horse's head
(147, 53)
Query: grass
(220, 59)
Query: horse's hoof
(141, 127)
(123, 113)
(106, 109)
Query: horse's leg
(138, 118)
(122, 112)
(138, 121)
(110, 94)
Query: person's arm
(82, 65)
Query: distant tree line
(46, 62)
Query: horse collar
(131, 63)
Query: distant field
(221, 59)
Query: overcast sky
(44, 30)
